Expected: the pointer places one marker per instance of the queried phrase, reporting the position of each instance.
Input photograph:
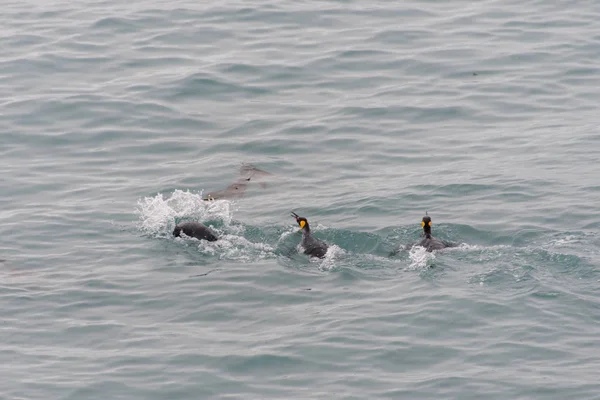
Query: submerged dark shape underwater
(237, 189)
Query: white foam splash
(566, 240)
(159, 214)
(475, 247)
(419, 257)
(234, 247)
(328, 262)
(285, 234)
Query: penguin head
(302, 222)
(426, 221)
(426, 224)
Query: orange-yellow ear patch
(429, 223)
(423, 224)
(302, 223)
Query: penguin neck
(427, 232)
(306, 230)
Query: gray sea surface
(117, 118)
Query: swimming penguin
(238, 188)
(232, 191)
(430, 242)
(312, 246)
(248, 171)
(195, 229)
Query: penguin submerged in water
(238, 188)
(312, 246)
(195, 229)
(235, 190)
(429, 241)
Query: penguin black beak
(295, 215)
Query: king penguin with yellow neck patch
(312, 246)
(429, 241)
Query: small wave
(115, 24)
(500, 276)
(570, 240)
(566, 240)
(465, 247)
(234, 247)
(285, 234)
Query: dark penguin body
(195, 229)
(429, 241)
(312, 246)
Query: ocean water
(116, 118)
